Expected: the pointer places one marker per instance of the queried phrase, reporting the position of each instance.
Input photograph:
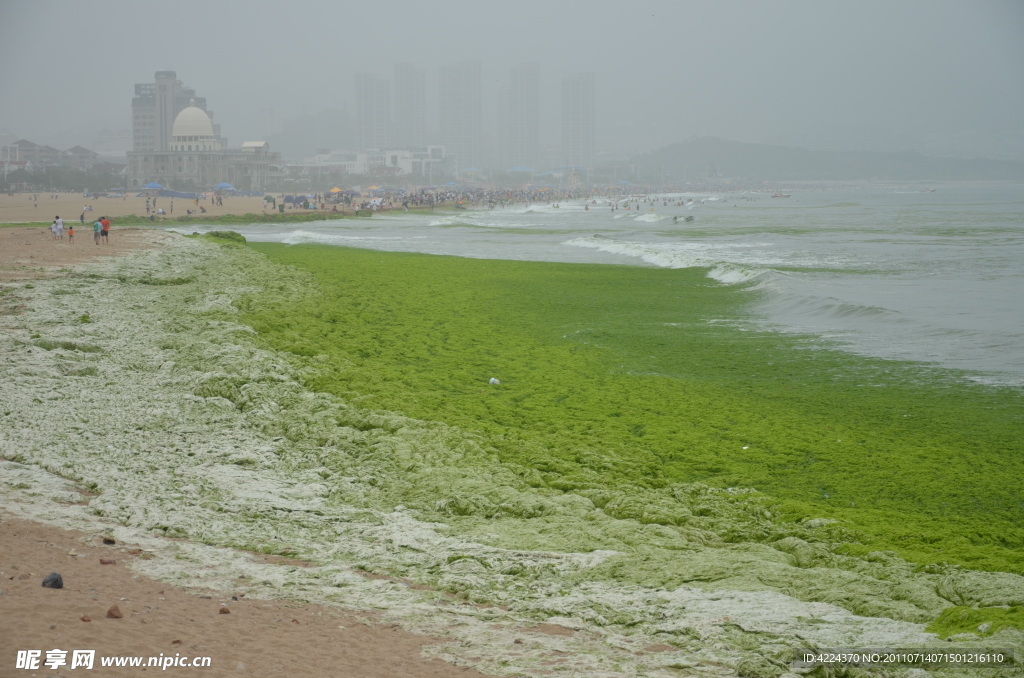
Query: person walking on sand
(82, 218)
(105, 232)
(96, 229)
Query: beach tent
(373, 188)
(224, 186)
(335, 190)
(152, 184)
(521, 168)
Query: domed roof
(192, 121)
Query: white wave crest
(681, 255)
(311, 237)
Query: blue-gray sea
(894, 272)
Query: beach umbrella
(224, 186)
(335, 190)
(152, 184)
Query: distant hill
(713, 157)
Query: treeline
(98, 178)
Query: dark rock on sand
(53, 581)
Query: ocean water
(893, 272)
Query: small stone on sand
(53, 581)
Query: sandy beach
(139, 406)
(255, 638)
(20, 207)
(258, 637)
(29, 252)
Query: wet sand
(263, 638)
(29, 252)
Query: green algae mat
(617, 381)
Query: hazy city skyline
(941, 77)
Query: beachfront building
(410, 122)
(460, 108)
(373, 110)
(79, 157)
(432, 163)
(520, 112)
(37, 155)
(578, 120)
(197, 158)
(156, 106)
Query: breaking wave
(683, 255)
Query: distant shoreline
(22, 210)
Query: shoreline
(260, 636)
(240, 452)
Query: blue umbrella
(224, 185)
(152, 184)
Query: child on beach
(71, 233)
(105, 232)
(96, 229)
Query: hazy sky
(666, 69)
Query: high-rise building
(521, 116)
(410, 128)
(373, 111)
(460, 109)
(154, 108)
(578, 124)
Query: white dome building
(193, 130)
(197, 158)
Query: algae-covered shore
(651, 472)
